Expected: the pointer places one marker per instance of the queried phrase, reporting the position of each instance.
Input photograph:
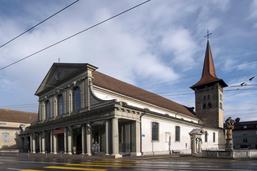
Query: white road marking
(13, 169)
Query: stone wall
(235, 154)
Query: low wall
(235, 154)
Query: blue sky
(159, 46)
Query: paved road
(168, 164)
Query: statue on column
(229, 126)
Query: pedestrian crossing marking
(74, 168)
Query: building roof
(246, 125)
(124, 88)
(7, 115)
(208, 72)
(61, 72)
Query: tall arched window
(60, 105)
(76, 99)
(48, 109)
(206, 136)
(204, 106)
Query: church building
(84, 111)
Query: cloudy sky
(159, 46)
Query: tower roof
(208, 73)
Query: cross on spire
(208, 34)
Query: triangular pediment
(59, 73)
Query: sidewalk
(83, 158)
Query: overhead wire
(77, 33)
(36, 25)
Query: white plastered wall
(167, 127)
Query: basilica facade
(83, 111)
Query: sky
(158, 46)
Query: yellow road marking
(95, 165)
(30, 170)
(74, 168)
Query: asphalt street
(155, 164)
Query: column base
(116, 156)
(89, 154)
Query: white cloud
(253, 10)
(181, 44)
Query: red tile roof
(124, 88)
(7, 115)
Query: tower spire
(208, 72)
(208, 66)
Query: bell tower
(209, 94)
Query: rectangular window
(177, 131)
(155, 131)
(214, 138)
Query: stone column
(83, 138)
(70, 108)
(51, 141)
(115, 138)
(40, 142)
(69, 141)
(33, 143)
(55, 106)
(30, 140)
(55, 144)
(88, 135)
(43, 143)
(138, 139)
(65, 140)
(193, 145)
(107, 134)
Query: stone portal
(196, 141)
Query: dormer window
(76, 99)
(60, 104)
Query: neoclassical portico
(107, 141)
